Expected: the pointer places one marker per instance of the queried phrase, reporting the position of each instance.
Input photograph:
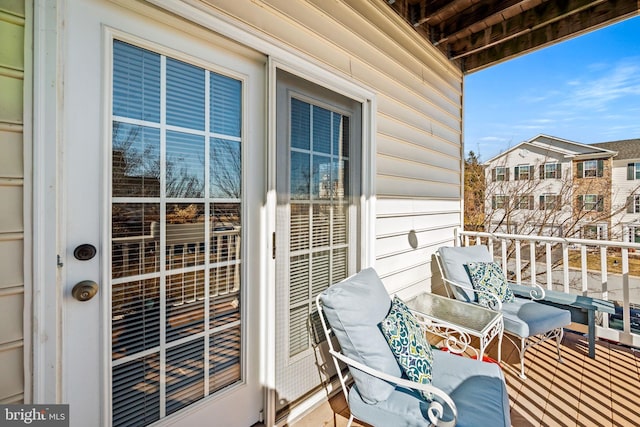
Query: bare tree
(474, 193)
(544, 198)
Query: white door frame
(48, 230)
(330, 81)
(53, 362)
(46, 294)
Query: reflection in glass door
(318, 186)
(176, 234)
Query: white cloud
(621, 80)
(542, 121)
(493, 139)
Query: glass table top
(464, 315)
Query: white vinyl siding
(418, 113)
(12, 194)
(623, 198)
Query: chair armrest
(495, 302)
(435, 411)
(535, 291)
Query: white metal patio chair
(465, 392)
(530, 322)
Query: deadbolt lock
(85, 290)
(85, 252)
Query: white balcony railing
(563, 264)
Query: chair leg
(523, 348)
(559, 335)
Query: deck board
(580, 391)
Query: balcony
(594, 268)
(580, 391)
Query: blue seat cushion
(526, 318)
(454, 260)
(354, 308)
(477, 388)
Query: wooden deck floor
(604, 391)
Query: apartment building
(554, 187)
(625, 188)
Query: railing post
(583, 269)
(518, 263)
(532, 262)
(504, 255)
(604, 272)
(547, 254)
(626, 306)
(565, 267)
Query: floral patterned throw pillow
(408, 343)
(488, 277)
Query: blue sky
(586, 89)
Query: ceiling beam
(481, 16)
(541, 16)
(477, 33)
(543, 32)
(434, 12)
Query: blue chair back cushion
(454, 260)
(354, 308)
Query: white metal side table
(458, 321)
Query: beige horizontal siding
(12, 25)
(11, 260)
(11, 366)
(418, 115)
(11, 164)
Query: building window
(633, 171)
(633, 204)
(551, 171)
(499, 201)
(500, 173)
(549, 202)
(523, 172)
(591, 202)
(634, 234)
(594, 232)
(590, 169)
(524, 202)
